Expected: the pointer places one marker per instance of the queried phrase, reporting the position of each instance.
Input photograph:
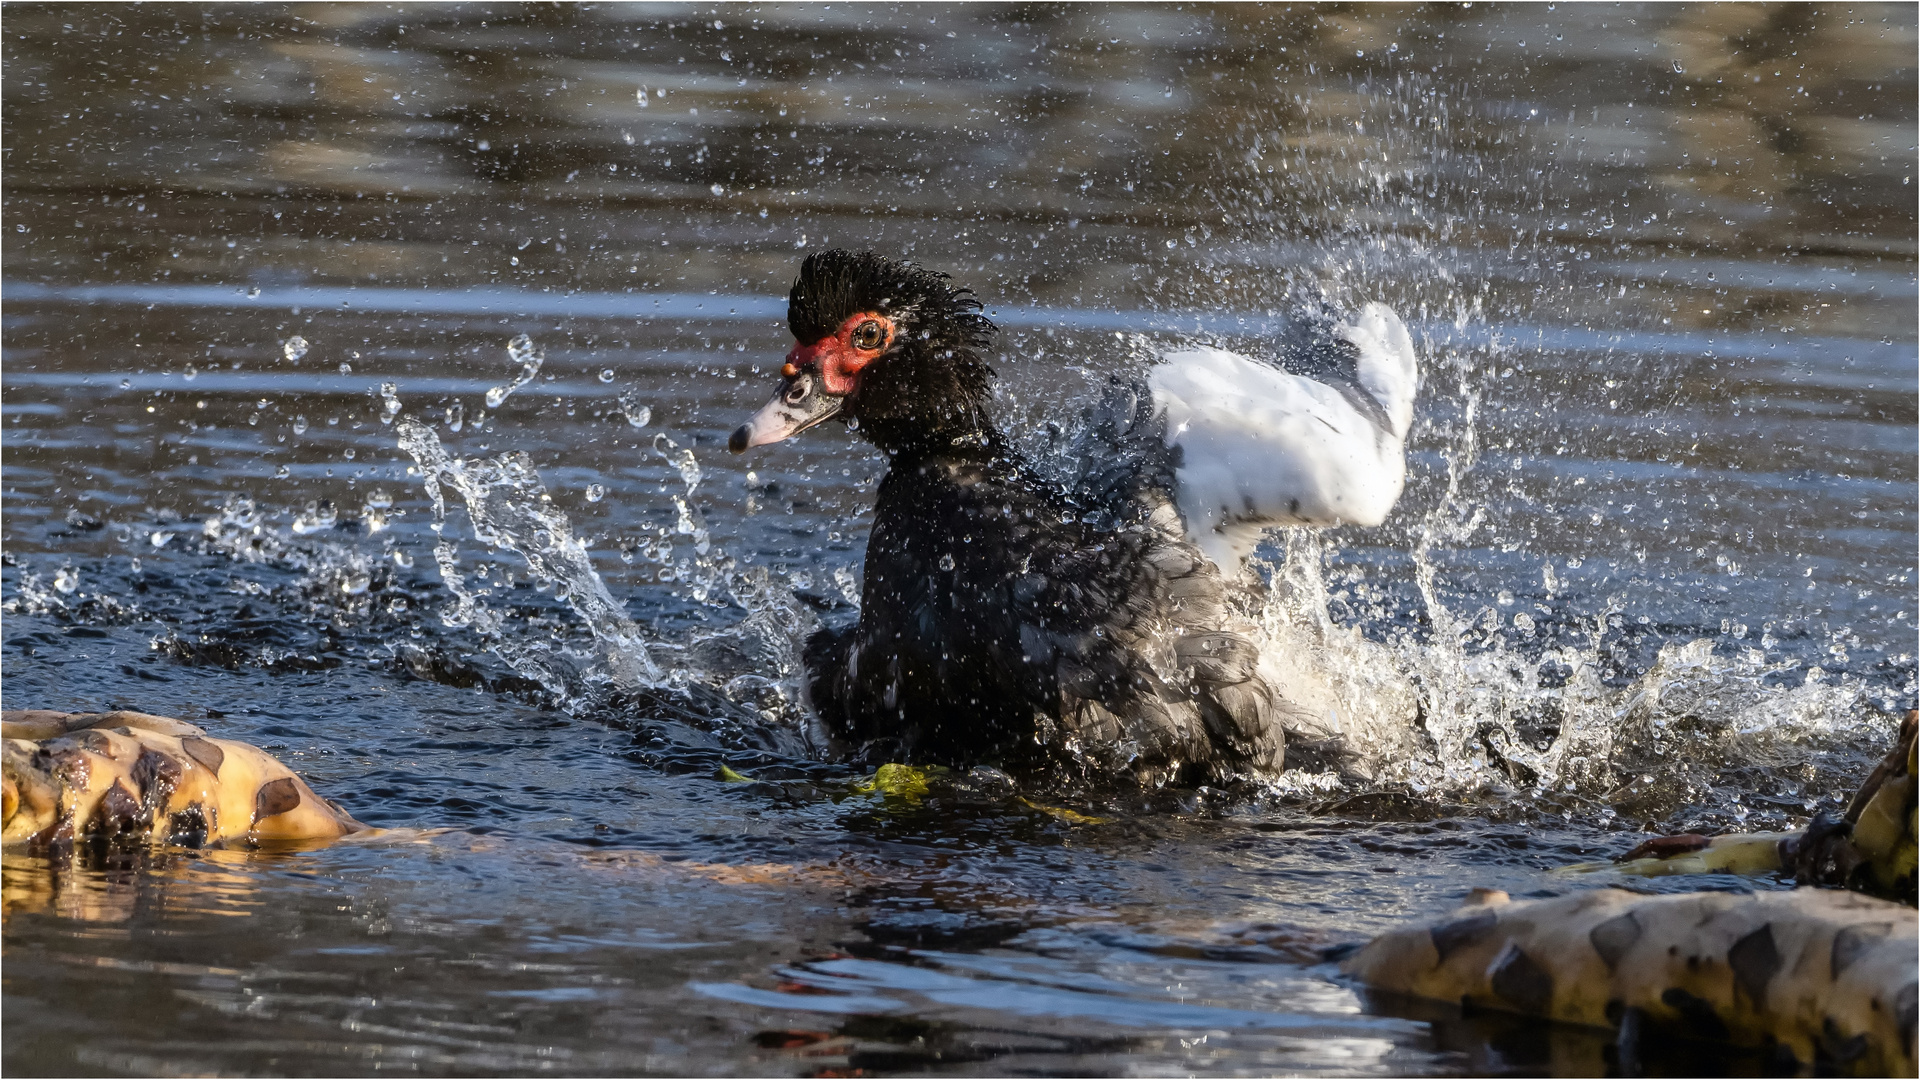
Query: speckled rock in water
(1826, 975)
(1829, 976)
(131, 777)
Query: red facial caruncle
(839, 357)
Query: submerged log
(130, 777)
(1824, 975)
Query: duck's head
(882, 344)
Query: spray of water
(511, 510)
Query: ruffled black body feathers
(1006, 619)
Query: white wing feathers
(1260, 447)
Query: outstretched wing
(1256, 446)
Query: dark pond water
(1653, 569)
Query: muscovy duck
(1009, 618)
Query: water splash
(510, 509)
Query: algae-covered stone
(132, 777)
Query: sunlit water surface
(1653, 569)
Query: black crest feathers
(834, 285)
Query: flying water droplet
(946, 561)
(294, 347)
(849, 586)
(595, 493)
(191, 373)
(606, 375)
(300, 424)
(456, 416)
(637, 415)
(390, 396)
(66, 579)
(521, 350)
(318, 515)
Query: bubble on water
(637, 415)
(355, 582)
(606, 375)
(294, 347)
(390, 399)
(300, 424)
(66, 580)
(521, 350)
(595, 493)
(379, 499)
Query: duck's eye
(869, 335)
